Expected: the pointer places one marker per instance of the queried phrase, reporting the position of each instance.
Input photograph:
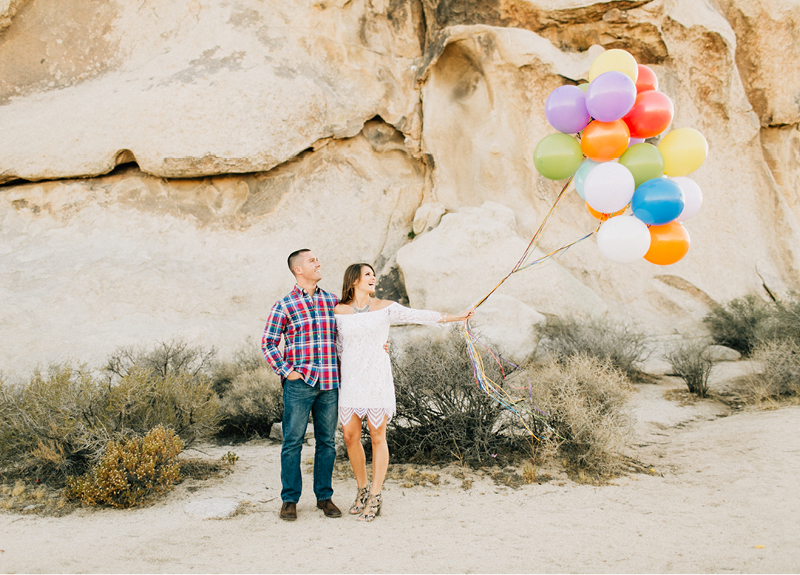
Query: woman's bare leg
(355, 451)
(380, 455)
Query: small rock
(216, 508)
(276, 432)
(722, 353)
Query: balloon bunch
(614, 168)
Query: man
(309, 373)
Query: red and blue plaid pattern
(308, 327)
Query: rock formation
(160, 159)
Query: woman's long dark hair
(352, 275)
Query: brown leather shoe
(289, 511)
(328, 508)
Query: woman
(367, 389)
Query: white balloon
(609, 187)
(623, 239)
(694, 197)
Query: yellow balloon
(684, 150)
(614, 60)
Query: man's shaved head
(294, 258)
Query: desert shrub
(53, 425)
(779, 374)
(784, 321)
(59, 423)
(441, 413)
(252, 396)
(130, 471)
(166, 358)
(181, 400)
(247, 359)
(252, 404)
(585, 399)
(741, 323)
(691, 361)
(620, 343)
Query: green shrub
(130, 471)
(586, 401)
(741, 323)
(691, 361)
(441, 413)
(779, 374)
(621, 343)
(252, 404)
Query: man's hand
(386, 346)
(295, 375)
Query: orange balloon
(668, 244)
(603, 141)
(601, 216)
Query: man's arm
(276, 323)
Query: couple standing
(335, 363)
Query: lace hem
(375, 415)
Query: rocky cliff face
(159, 160)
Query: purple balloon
(635, 141)
(610, 96)
(565, 109)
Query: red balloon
(646, 80)
(651, 114)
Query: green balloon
(584, 86)
(644, 161)
(557, 156)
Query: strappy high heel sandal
(373, 508)
(361, 501)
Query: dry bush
(691, 361)
(166, 358)
(52, 426)
(252, 396)
(130, 471)
(441, 413)
(181, 400)
(620, 343)
(779, 376)
(741, 323)
(59, 423)
(252, 404)
(586, 401)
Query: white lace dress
(367, 388)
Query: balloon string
(532, 245)
(492, 388)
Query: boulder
(130, 259)
(197, 88)
(453, 266)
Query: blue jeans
(300, 399)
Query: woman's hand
(464, 315)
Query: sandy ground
(724, 498)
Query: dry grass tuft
(586, 400)
(777, 379)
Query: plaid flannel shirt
(308, 327)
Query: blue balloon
(581, 173)
(658, 201)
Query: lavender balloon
(565, 109)
(610, 96)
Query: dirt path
(724, 499)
